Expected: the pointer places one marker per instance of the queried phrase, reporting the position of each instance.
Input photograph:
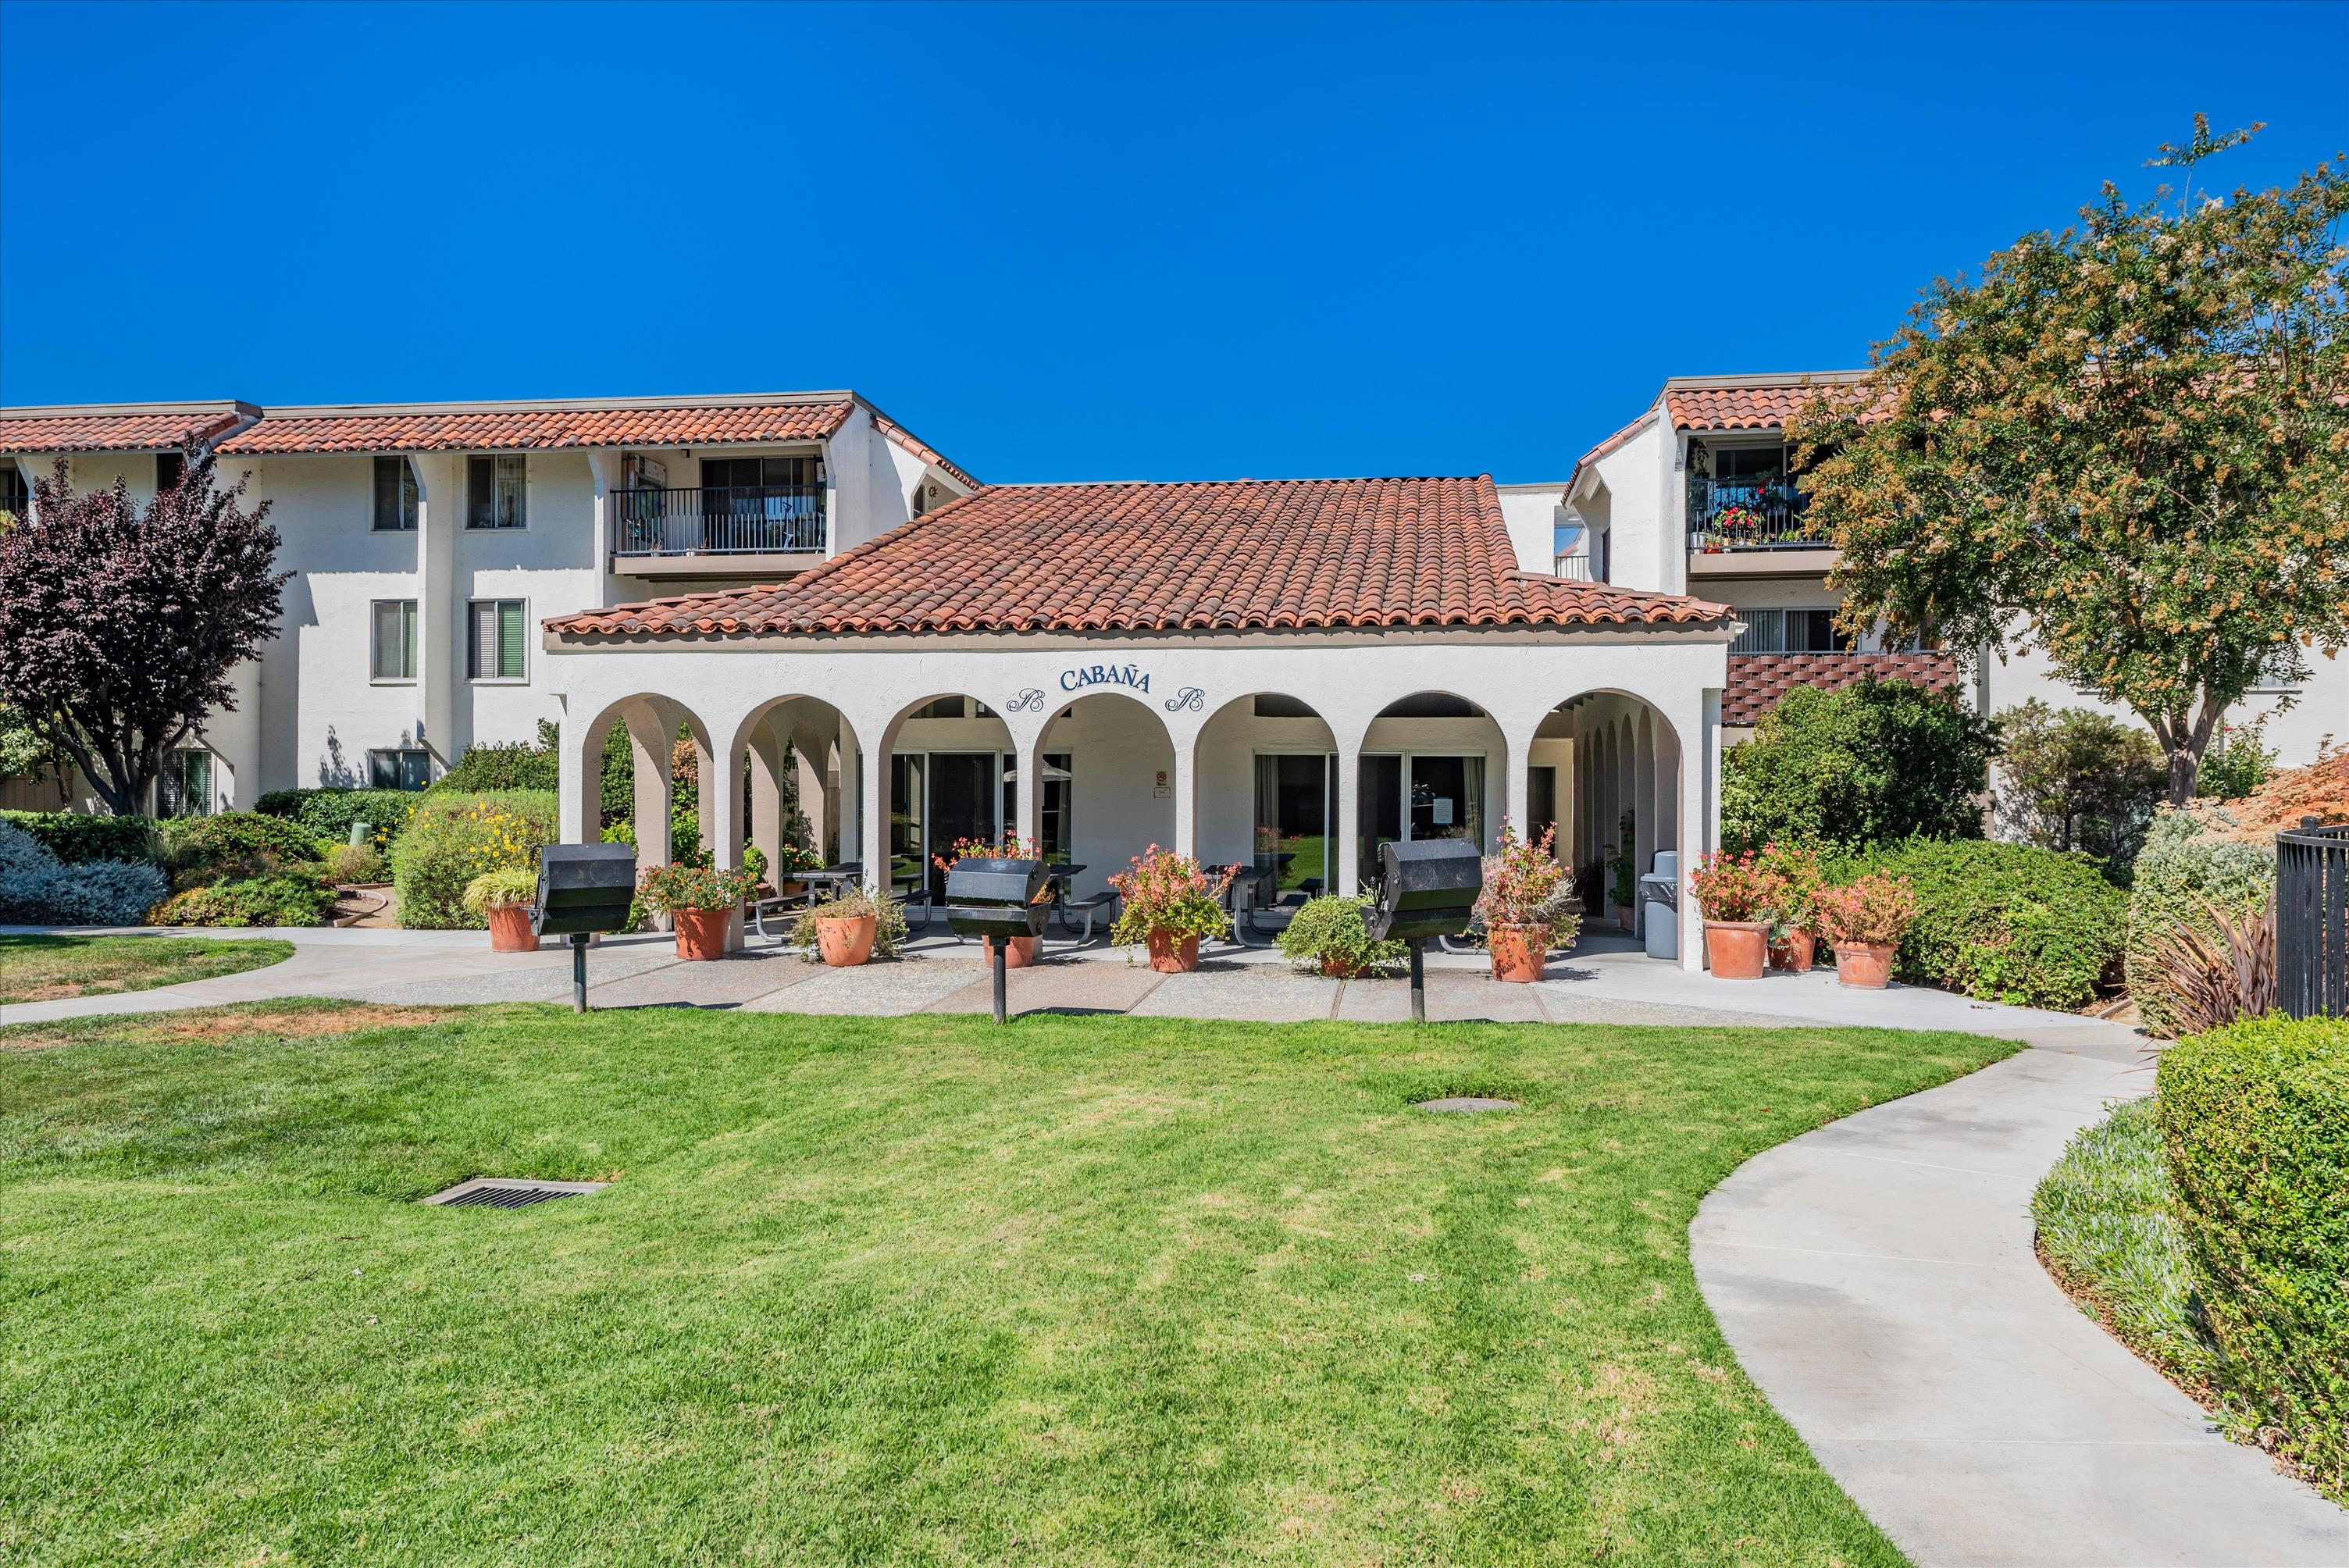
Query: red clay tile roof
(1761, 406)
(1756, 681)
(920, 448)
(125, 429)
(538, 430)
(1242, 554)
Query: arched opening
(953, 774)
(1110, 787)
(642, 756)
(793, 763)
(1268, 796)
(1611, 762)
(1433, 766)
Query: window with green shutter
(495, 640)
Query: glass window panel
(481, 487)
(510, 648)
(513, 492)
(1058, 806)
(1447, 798)
(908, 853)
(415, 769)
(1765, 632)
(482, 641)
(1378, 806)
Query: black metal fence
(2313, 920)
(718, 519)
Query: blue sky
(1069, 242)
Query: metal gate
(2313, 920)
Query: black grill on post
(996, 899)
(1427, 887)
(582, 888)
(2313, 920)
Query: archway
(1433, 766)
(627, 761)
(950, 772)
(1615, 761)
(1268, 774)
(1112, 787)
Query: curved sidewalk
(1876, 1279)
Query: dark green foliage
(285, 900)
(1875, 762)
(2006, 923)
(2079, 780)
(2186, 875)
(236, 845)
(2236, 765)
(74, 837)
(329, 814)
(517, 765)
(2255, 1126)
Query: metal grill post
(2313, 920)
(578, 971)
(1418, 981)
(1002, 945)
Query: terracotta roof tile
(538, 430)
(1228, 556)
(1756, 681)
(920, 448)
(115, 429)
(1758, 408)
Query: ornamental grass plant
(850, 902)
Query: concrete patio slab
(1265, 992)
(877, 990)
(1066, 987)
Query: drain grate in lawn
(504, 1192)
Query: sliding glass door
(1417, 795)
(1296, 816)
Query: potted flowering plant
(700, 902)
(1865, 921)
(849, 927)
(1795, 878)
(790, 860)
(503, 898)
(1018, 951)
(1735, 893)
(1527, 904)
(1331, 934)
(1170, 902)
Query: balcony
(1727, 515)
(1756, 681)
(738, 520)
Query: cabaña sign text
(1128, 675)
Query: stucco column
(1027, 822)
(1187, 794)
(868, 825)
(1517, 803)
(1643, 806)
(579, 780)
(439, 628)
(720, 810)
(765, 829)
(1349, 747)
(1700, 824)
(651, 747)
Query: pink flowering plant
(1172, 893)
(1795, 878)
(670, 888)
(1875, 908)
(1010, 847)
(1733, 889)
(1525, 885)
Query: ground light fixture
(582, 888)
(1427, 887)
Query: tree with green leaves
(2077, 779)
(2125, 446)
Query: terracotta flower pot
(1797, 952)
(701, 933)
(1020, 953)
(1518, 951)
(1735, 949)
(846, 939)
(1865, 965)
(509, 929)
(1172, 954)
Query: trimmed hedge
(518, 766)
(75, 837)
(1876, 762)
(236, 844)
(2181, 873)
(329, 814)
(251, 900)
(452, 839)
(2255, 1129)
(2004, 923)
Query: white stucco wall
(1534, 513)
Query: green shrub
(1332, 928)
(452, 839)
(329, 814)
(356, 863)
(517, 765)
(2235, 764)
(238, 845)
(1876, 762)
(2255, 1129)
(2005, 922)
(74, 837)
(251, 900)
(2181, 874)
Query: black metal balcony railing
(719, 520)
(1749, 515)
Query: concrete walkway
(1876, 1278)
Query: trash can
(1660, 890)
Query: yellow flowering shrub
(452, 839)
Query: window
(497, 492)
(16, 496)
(186, 785)
(1790, 632)
(395, 496)
(394, 652)
(169, 467)
(406, 767)
(493, 640)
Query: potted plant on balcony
(1795, 878)
(700, 902)
(1331, 934)
(1866, 921)
(849, 927)
(503, 898)
(1170, 902)
(1527, 904)
(1018, 951)
(1734, 892)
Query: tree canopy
(121, 629)
(1875, 762)
(2123, 445)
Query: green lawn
(1076, 1291)
(42, 968)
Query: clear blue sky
(1070, 242)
